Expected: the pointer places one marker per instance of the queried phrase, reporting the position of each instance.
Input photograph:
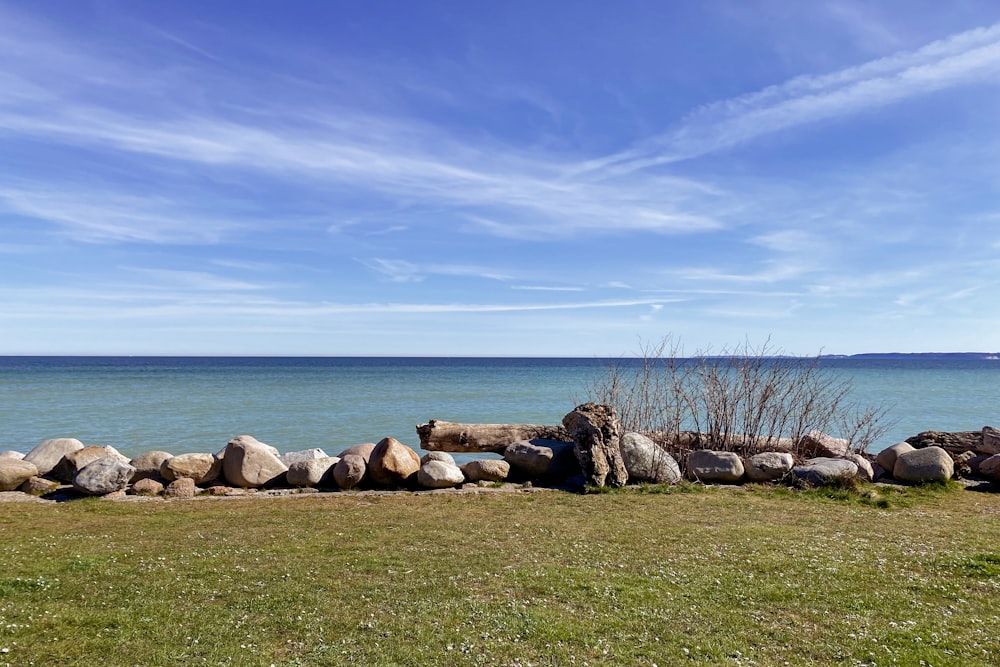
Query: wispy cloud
(403, 271)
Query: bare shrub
(744, 399)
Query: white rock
(47, 454)
(769, 466)
(439, 475)
(645, 461)
(706, 465)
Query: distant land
(971, 356)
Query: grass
(692, 576)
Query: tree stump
(596, 434)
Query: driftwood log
(444, 436)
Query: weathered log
(444, 436)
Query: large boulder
(596, 434)
(67, 467)
(147, 486)
(865, 469)
(364, 450)
(147, 465)
(542, 459)
(887, 457)
(991, 441)
(821, 445)
(825, 470)
(645, 461)
(349, 472)
(439, 475)
(14, 473)
(312, 472)
(305, 455)
(444, 457)
(248, 463)
(930, 464)
(199, 466)
(486, 470)
(990, 467)
(393, 464)
(11, 454)
(769, 466)
(39, 486)
(47, 454)
(103, 476)
(182, 487)
(705, 465)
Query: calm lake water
(197, 404)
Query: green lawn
(721, 576)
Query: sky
(333, 177)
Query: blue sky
(508, 178)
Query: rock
(991, 441)
(147, 486)
(865, 469)
(148, 464)
(769, 466)
(542, 459)
(887, 457)
(74, 461)
(930, 464)
(305, 455)
(312, 472)
(486, 470)
(819, 444)
(956, 441)
(11, 454)
(990, 467)
(350, 471)
(103, 476)
(182, 487)
(199, 466)
(14, 473)
(825, 470)
(39, 486)
(596, 434)
(439, 475)
(705, 465)
(393, 464)
(645, 461)
(251, 464)
(364, 450)
(47, 454)
(221, 490)
(115, 495)
(444, 457)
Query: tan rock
(182, 487)
(364, 450)
(11, 454)
(39, 486)
(14, 473)
(47, 454)
(199, 466)
(251, 464)
(930, 464)
(990, 467)
(887, 457)
(311, 472)
(820, 445)
(349, 472)
(393, 464)
(486, 470)
(147, 486)
(769, 466)
(148, 464)
(865, 469)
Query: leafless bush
(744, 399)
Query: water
(198, 404)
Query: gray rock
(769, 466)
(68, 466)
(991, 441)
(444, 457)
(147, 465)
(596, 434)
(825, 470)
(439, 475)
(705, 465)
(14, 473)
(103, 476)
(199, 466)
(312, 472)
(393, 464)
(11, 454)
(865, 469)
(486, 470)
(349, 472)
(887, 457)
(250, 464)
(541, 459)
(47, 454)
(990, 467)
(182, 487)
(819, 444)
(364, 450)
(147, 486)
(930, 464)
(645, 461)
(305, 455)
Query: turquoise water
(198, 404)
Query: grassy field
(714, 576)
